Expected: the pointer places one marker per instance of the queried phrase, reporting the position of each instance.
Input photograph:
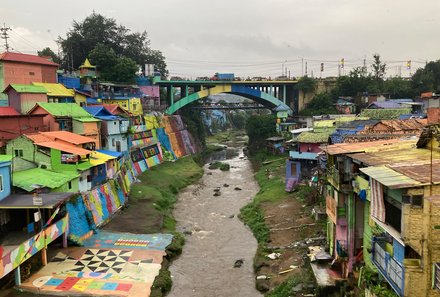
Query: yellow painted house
(57, 93)
(126, 96)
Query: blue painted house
(5, 176)
(114, 136)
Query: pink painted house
(24, 97)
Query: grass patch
(219, 165)
(224, 136)
(285, 288)
(271, 189)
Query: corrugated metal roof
(25, 58)
(97, 158)
(56, 90)
(314, 137)
(390, 178)
(400, 125)
(38, 137)
(21, 88)
(67, 137)
(86, 119)
(5, 158)
(424, 172)
(401, 156)
(384, 114)
(65, 148)
(111, 153)
(324, 124)
(303, 155)
(63, 109)
(356, 147)
(8, 111)
(20, 201)
(26, 179)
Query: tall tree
(427, 79)
(96, 30)
(47, 52)
(379, 68)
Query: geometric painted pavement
(103, 261)
(106, 267)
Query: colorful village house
(14, 124)
(69, 117)
(24, 97)
(29, 223)
(58, 151)
(344, 106)
(346, 208)
(57, 93)
(17, 68)
(114, 129)
(404, 211)
(126, 96)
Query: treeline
(362, 81)
(117, 51)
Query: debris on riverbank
(283, 225)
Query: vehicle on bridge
(203, 78)
(223, 76)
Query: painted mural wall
(21, 253)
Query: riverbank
(281, 222)
(149, 210)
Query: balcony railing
(340, 180)
(392, 270)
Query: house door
(293, 169)
(118, 146)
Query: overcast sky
(249, 37)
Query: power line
(4, 35)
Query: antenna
(4, 35)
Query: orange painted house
(24, 69)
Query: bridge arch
(263, 98)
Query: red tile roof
(65, 147)
(25, 58)
(7, 111)
(68, 137)
(37, 137)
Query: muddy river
(216, 240)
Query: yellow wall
(133, 105)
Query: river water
(216, 238)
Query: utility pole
(4, 35)
(306, 68)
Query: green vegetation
(154, 198)
(259, 128)
(285, 288)
(271, 189)
(321, 104)
(159, 186)
(219, 165)
(372, 280)
(115, 48)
